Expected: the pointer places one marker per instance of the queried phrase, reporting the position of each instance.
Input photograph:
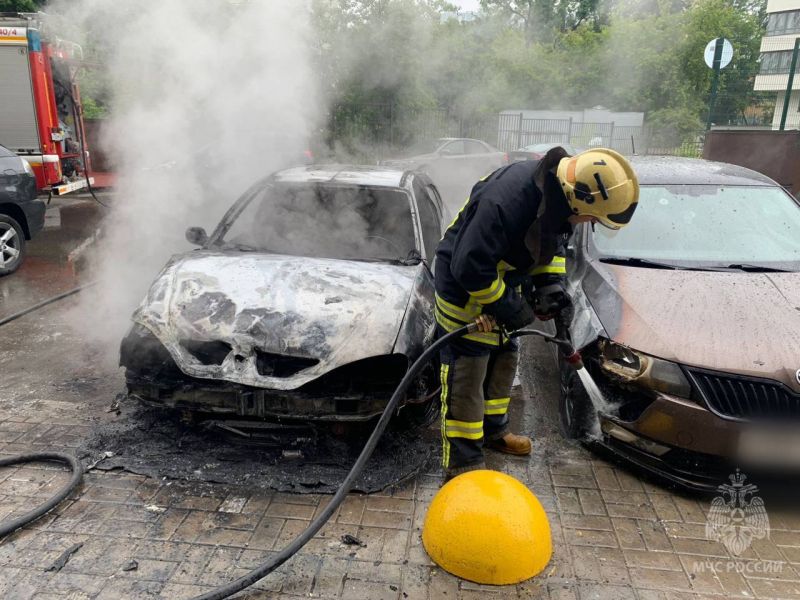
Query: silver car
(309, 301)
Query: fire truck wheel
(12, 245)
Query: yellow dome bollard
(487, 527)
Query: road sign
(727, 53)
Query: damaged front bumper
(679, 439)
(242, 401)
(357, 391)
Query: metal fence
(516, 131)
(381, 130)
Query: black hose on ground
(44, 303)
(301, 540)
(12, 525)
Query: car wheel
(574, 406)
(413, 415)
(12, 245)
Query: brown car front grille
(746, 398)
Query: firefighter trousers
(476, 392)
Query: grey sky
(466, 4)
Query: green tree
(21, 5)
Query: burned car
(309, 301)
(689, 320)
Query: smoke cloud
(208, 96)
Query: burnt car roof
(343, 174)
(673, 170)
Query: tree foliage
(14, 6)
(626, 55)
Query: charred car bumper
(357, 391)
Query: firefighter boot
(497, 389)
(511, 443)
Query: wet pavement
(48, 269)
(616, 535)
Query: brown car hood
(737, 322)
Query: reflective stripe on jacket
(487, 240)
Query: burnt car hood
(334, 311)
(747, 323)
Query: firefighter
(502, 256)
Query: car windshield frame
(595, 253)
(217, 238)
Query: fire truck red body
(40, 108)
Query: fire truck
(41, 118)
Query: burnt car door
(429, 214)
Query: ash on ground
(155, 443)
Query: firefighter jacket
(514, 222)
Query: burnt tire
(12, 245)
(574, 404)
(413, 415)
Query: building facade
(783, 27)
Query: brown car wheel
(574, 405)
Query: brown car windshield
(708, 225)
(325, 221)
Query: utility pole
(788, 95)
(715, 80)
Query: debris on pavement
(64, 558)
(350, 540)
(131, 565)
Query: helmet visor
(621, 219)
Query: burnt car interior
(345, 222)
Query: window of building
(783, 23)
(777, 63)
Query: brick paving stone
(590, 537)
(291, 511)
(180, 591)
(554, 592)
(653, 560)
(660, 579)
(629, 533)
(574, 521)
(567, 500)
(593, 591)
(415, 583)
(702, 580)
(615, 536)
(366, 590)
(299, 574)
(329, 579)
(131, 589)
(769, 588)
(591, 502)
(64, 583)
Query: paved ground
(615, 535)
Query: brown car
(689, 321)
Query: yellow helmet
(600, 183)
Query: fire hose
(561, 338)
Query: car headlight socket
(643, 370)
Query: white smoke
(208, 96)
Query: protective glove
(553, 300)
(511, 311)
(523, 281)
